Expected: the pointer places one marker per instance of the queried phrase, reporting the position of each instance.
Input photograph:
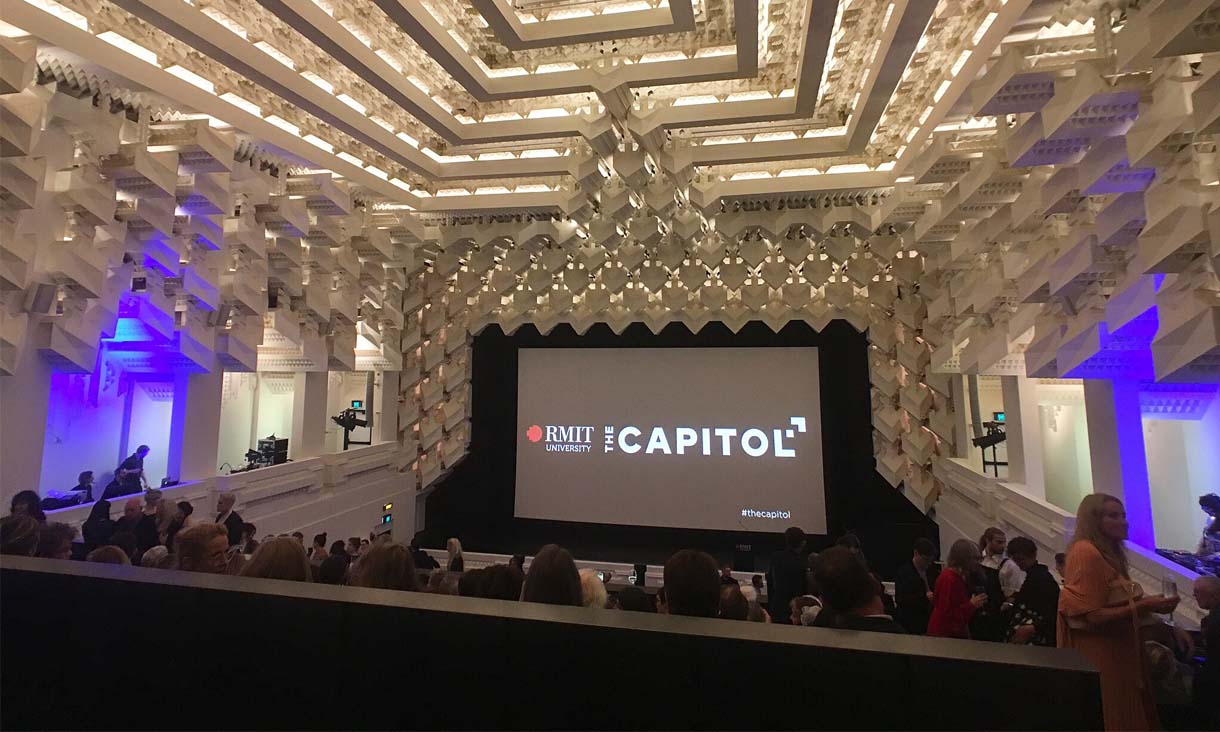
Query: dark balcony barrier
(91, 646)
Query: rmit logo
(562, 438)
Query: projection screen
(702, 438)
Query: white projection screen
(700, 438)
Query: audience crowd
(991, 590)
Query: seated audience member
(332, 570)
(1035, 607)
(851, 542)
(98, 528)
(157, 558)
(386, 567)
(180, 521)
(952, 604)
(455, 562)
(592, 589)
(852, 594)
(133, 511)
(339, 549)
(108, 554)
(114, 489)
(1207, 676)
(553, 578)
(1060, 564)
(203, 548)
(470, 584)
(280, 558)
(249, 544)
(55, 541)
(805, 610)
(755, 613)
(726, 575)
(84, 485)
(502, 582)
(422, 559)
(235, 562)
(126, 541)
(786, 575)
(692, 584)
(28, 503)
(635, 599)
(435, 578)
(317, 551)
(228, 518)
(152, 514)
(913, 583)
(19, 535)
(733, 604)
(662, 606)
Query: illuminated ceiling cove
(987, 186)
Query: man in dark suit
(913, 585)
(230, 519)
(786, 576)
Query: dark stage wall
(475, 501)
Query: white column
(309, 415)
(1116, 451)
(24, 398)
(385, 408)
(961, 418)
(194, 434)
(1024, 434)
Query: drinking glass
(1169, 588)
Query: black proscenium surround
(475, 501)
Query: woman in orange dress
(1101, 609)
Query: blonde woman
(1101, 609)
(454, 547)
(279, 558)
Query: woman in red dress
(952, 603)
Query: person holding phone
(1101, 610)
(952, 603)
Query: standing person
(454, 547)
(1035, 606)
(952, 604)
(230, 519)
(1100, 609)
(786, 576)
(317, 551)
(1001, 579)
(130, 472)
(913, 585)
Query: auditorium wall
(1183, 464)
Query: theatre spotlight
(994, 436)
(348, 420)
